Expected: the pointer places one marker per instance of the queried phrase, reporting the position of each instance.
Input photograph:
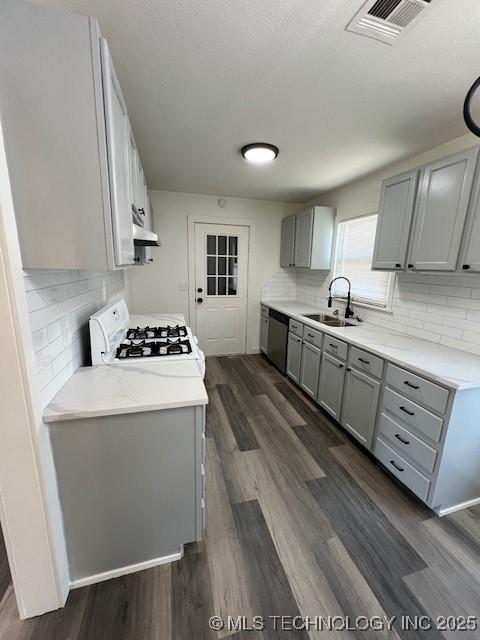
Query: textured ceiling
(203, 78)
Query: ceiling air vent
(387, 20)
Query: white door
(221, 258)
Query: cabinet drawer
(414, 415)
(313, 337)
(407, 443)
(402, 469)
(264, 311)
(296, 328)
(366, 362)
(421, 390)
(337, 348)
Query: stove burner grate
(143, 349)
(150, 333)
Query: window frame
(392, 281)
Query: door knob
(199, 300)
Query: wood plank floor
(300, 522)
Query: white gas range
(116, 337)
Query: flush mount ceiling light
(259, 152)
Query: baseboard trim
(457, 507)
(123, 571)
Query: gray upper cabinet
(294, 357)
(444, 195)
(287, 256)
(422, 217)
(330, 388)
(395, 215)
(471, 251)
(310, 369)
(360, 403)
(307, 239)
(303, 238)
(69, 166)
(119, 147)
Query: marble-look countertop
(112, 389)
(156, 320)
(450, 367)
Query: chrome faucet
(348, 310)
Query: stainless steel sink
(330, 321)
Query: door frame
(194, 219)
(30, 516)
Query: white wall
(443, 308)
(156, 287)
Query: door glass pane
(232, 266)
(211, 286)
(211, 266)
(222, 286)
(233, 245)
(222, 266)
(232, 286)
(212, 245)
(222, 245)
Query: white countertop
(450, 367)
(156, 320)
(131, 388)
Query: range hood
(144, 238)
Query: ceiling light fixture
(259, 152)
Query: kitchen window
(353, 259)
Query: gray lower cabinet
(360, 404)
(330, 388)
(131, 487)
(310, 369)
(287, 252)
(263, 334)
(294, 357)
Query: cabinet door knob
(466, 266)
(410, 266)
(199, 300)
(398, 265)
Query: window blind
(353, 259)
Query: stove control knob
(199, 300)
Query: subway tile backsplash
(441, 308)
(60, 304)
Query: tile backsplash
(60, 304)
(281, 286)
(441, 308)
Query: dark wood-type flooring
(299, 522)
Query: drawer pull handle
(402, 440)
(409, 384)
(340, 366)
(392, 462)
(310, 335)
(410, 413)
(334, 346)
(364, 361)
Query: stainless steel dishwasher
(277, 339)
